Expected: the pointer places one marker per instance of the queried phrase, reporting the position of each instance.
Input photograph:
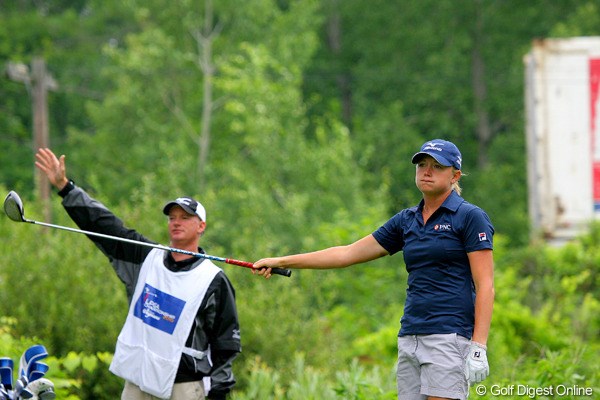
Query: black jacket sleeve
(91, 215)
(224, 338)
(216, 327)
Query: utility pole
(38, 82)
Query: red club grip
(238, 262)
(275, 271)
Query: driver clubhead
(13, 207)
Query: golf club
(13, 207)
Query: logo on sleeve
(158, 309)
(482, 237)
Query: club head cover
(30, 357)
(6, 372)
(37, 370)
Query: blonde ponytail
(456, 185)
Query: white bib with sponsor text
(158, 324)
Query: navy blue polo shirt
(441, 294)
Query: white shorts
(181, 391)
(432, 365)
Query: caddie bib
(160, 317)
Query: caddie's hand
(477, 368)
(53, 167)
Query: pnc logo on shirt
(442, 227)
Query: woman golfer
(447, 248)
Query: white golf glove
(477, 368)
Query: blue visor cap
(444, 152)
(189, 205)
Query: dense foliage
(294, 122)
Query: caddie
(182, 333)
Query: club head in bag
(21, 391)
(13, 207)
(42, 388)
